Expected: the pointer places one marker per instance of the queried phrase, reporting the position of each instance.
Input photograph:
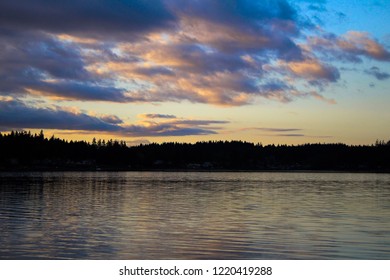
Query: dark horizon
(26, 151)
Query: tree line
(22, 150)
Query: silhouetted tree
(22, 150)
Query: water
(195, 215)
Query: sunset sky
(283, 72)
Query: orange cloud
(361, 43)
(310, 69)
(349, 47)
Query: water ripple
(141, 215)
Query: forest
(24, 151)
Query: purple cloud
(375, 71)
(350, 47)
(158, 116)
(227, 53)
(15, 114)
(88, 17)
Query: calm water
(142, 215)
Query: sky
(143, 71)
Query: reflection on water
(199, 215)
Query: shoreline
(195, 170)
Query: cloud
(322, 98)
(15, 114)
(165, 130)
(111, 119)
(318, 8)
(169, 125)
(350, 47)
(284, 132)
(157, 116)
(154, 71)
(88, 18)
(30, 58)
(291, 135)
(43, 65)
(225, 53)
(236, 26)
(311, 70)
(237, 12)
(375, 71)
(270, 129)
(70, 90)
(311, 73)
(40, 64)
(360, 43)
